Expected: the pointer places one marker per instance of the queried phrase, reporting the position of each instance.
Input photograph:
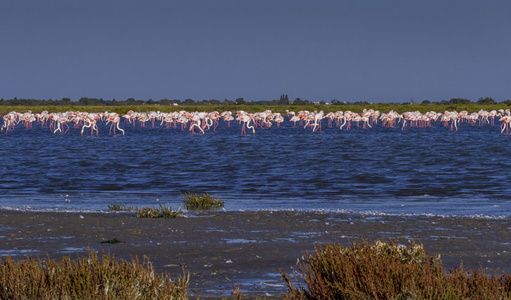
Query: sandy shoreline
(222, 249)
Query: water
(380, 170)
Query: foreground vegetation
(87, 278)
(361, 271)
(388, 271)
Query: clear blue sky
(357, 50)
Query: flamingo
(246, 119)
(115, 119)
(62, 120)
(294, 119)
(227, 116)
(506, 120)
(9, 121)
(91, 123)
(198, 122)
(317, 121)
(278, 118)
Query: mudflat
(227, 248)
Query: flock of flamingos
(199, 122)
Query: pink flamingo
(91, 123)
(9, 121)
(227, 117)
(318, 117)
(62, 120)
(196, 122)
(278, 118)
(115, 119)
(246, 123)
(506, 120)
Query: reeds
(165, 211)
(388, 271)
(201, 201)
(87, 278)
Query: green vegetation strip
(358, 108)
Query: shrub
(119, 207)
(162, 212)
(87, 278)
(113, 241)
(388, 271)
(201, 201)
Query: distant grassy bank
(382, 107)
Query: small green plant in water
(165, 211)
(119, 207)
(201, 201)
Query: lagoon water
(370, 171)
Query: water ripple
(431, 171)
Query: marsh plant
(120, 207)
(201, 201)
(113, 241)
(388, 271)
(87, 278)
(164, 211)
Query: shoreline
(223, 249)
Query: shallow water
(380, 170)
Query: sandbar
(222, 249)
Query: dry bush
(388, 271)
(87, 278)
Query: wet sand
(223, 249)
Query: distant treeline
(284, 100)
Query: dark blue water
(379, 170)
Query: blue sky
(377, 51)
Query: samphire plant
(119, 207)
(164, 211)
(87, 278)
(201, 201)
(388, 271)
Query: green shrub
(87, 278)
(119, 207)
(201, 201)
(162, 212)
